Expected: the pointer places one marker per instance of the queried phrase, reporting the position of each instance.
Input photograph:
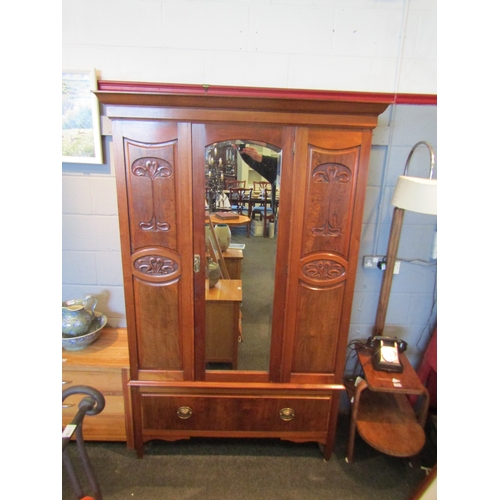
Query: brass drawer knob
(184, 412)
(287, 414)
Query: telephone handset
(386, 353)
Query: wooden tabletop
(110, 350)
(387, 422)
(242, 219)
(385, 381)
(224, 291)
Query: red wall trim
(421, 99)
(219, 90)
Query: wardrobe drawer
(229, 413)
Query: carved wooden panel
(151, 171)
(156, 265)
(329, 200)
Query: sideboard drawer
(109, 425)
(229, 413)
(108, 382)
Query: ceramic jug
(77, 315)
(213, 271)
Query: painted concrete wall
(358, 45)
(369, 45)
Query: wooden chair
(240, 198)
(240, 203)
(265, 210)
(258, 189)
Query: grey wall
(412, 305)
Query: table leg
(360, 387)
(422, 418)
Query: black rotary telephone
(386, 353)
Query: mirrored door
(239, 172)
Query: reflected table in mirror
(241, 220)
(223, 322)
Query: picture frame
(81, 128)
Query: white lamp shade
(416, 194)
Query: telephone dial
(386, 353)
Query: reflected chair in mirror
(235, 184)
(259, 186)
(241, 203)
(264, 210)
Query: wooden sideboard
(103, 365)
(223, 326)
(233, 258)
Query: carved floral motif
(323, 270)
(155, 265)
(330, 173)
(152, 168)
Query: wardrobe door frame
(334, 143)
(278, 135)
(129, 132)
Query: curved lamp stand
(417, 195)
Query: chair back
(265, 206)
(239, 198)
(259, 186)
(235, 184)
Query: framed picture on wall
(81, 131)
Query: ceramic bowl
(76, 343)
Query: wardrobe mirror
(242, 177)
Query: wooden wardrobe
(159, 141)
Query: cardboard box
(257, 228)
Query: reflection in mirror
(242, 179)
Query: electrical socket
(397, 267)
(371, 261)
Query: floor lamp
(417, 195)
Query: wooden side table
(381, 412)
(233, 258)
(103, 365)
(242, 220)
(222, 322)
